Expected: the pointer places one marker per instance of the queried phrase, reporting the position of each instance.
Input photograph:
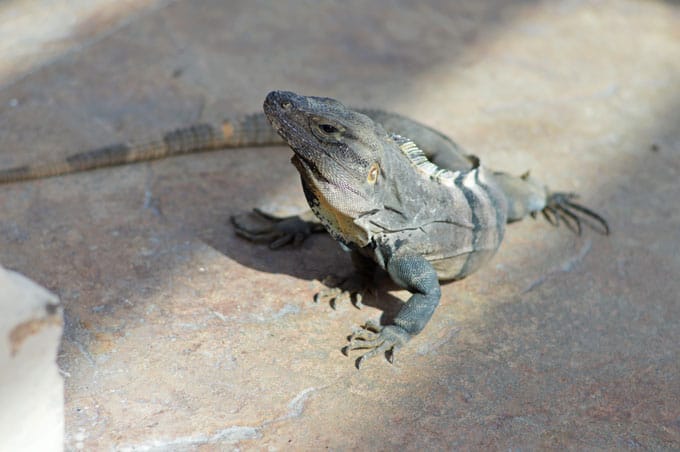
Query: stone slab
(180, 336)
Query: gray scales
(395, 193)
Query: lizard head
(339, 154)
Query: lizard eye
(328, 128)
(373, 173)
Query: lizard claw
(560, 207)
(261, 227)
(379, 340)
(340, 290)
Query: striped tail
(252, 130)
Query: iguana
(395, 193)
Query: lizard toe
(378, 341)
(260, 227)
(561, 208)
(282, 240)
(341, 290)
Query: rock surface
(180, 336)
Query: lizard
(398, 195)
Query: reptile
(396, 194)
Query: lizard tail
(252, 130)
(21, 173)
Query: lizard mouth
(281, 107)
(286, 113)
(308, 171)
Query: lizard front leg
(416, 274)
(261, 227)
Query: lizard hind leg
(340, 290)
(561, 207)
(525, 196)
(351, 288)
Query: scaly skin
(417, 207)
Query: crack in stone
(297, 405)
(230, 435)
(565, 267)
(255, 318)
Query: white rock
(31, 388)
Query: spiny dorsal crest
(423, 165)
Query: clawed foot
(560, 207)
(380, 340)
(260, 227)
(340, 290)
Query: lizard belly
(458, 267)
(471, 247)
(474, 248)
(465, 238)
